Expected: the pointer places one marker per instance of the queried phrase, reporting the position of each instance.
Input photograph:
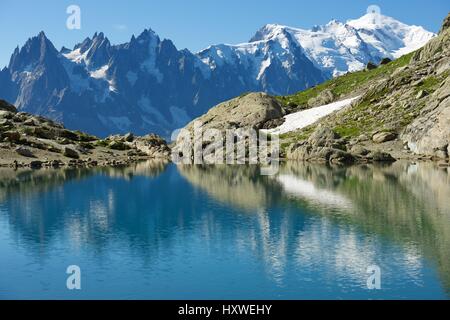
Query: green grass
(348, 130)
(345, 84)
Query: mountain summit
(147, 84)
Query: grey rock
(36, 164)
(118, 145)
(382, 137)
(379, 156)
(359, 151)
(70, 153)
(25, 152)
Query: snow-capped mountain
(335, 48)
(148, 85)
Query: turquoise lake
(160, 231)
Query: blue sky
(192, 24)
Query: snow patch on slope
(303, 119)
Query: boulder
(25, 152)
(323, 98)
(252, 110)
(36, 164)
(323, 146)
(43, 133)
(323, 137)
(382, 137)
(70, 153)
(359, 151)
(379, 156)
(55, 164)
(64, 133)
(118, 145)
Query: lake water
(158, 231)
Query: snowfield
(302, 119)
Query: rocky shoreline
(36, 142)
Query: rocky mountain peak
(37, 50)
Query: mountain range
(148, 85)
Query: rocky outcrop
(324, 145)
(429, 134)
(150, 145)
(382, 137)
(34, 141)
(251, 110)
(153, 146)
(404, 112)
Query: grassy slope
(368, 114)
(346, 84)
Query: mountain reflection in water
(155, 230)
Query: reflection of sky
(162, 237)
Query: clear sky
(192, 24)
